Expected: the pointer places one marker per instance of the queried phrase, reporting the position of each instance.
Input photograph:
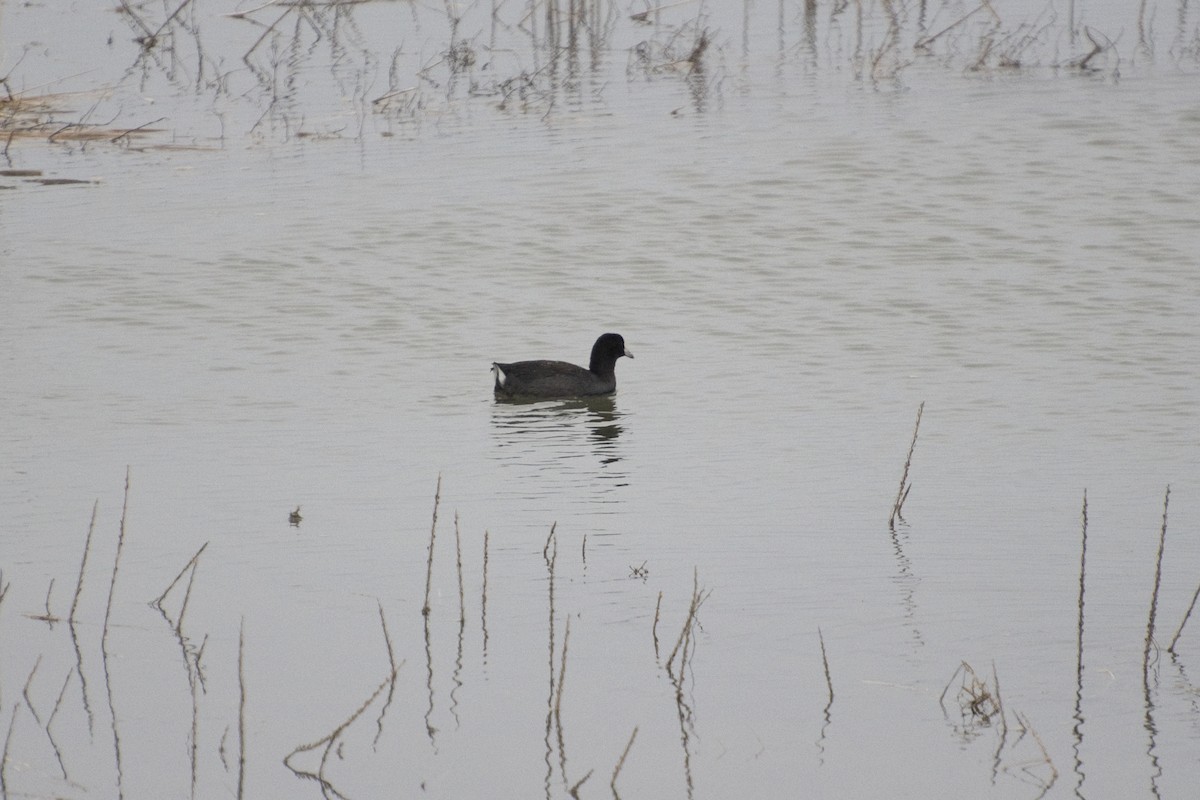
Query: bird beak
(627, 353)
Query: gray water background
(287, 291)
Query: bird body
(558, 379)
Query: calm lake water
(264, 259)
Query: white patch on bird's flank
(499, 375)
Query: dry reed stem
(47, 616)
(12, 721)
(654, 627)
(329, 740)
(112, 586)
(50, 721)
(1079, 621)
(828, 676)
(999, 702)
(685, 633)
(25, 691)
(1186, 616)
(574, 790)
(1025, 725)
(437, 497)
(902, 493)
(87, 547)
(483, 599)
(620, 762)
(395, 668)
(558, 696)
(462, 601)
(241, 788)
(190, 565)
(1162, 541)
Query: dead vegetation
(317, 70)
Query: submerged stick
(1162, 541)
(902, 493)
(437, 496)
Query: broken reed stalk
(902, 493)
(25, 691)
(87, 548)
(241, 709)
(328, 741)
(1162, 541)
(437, 497)
(158, 601)
(828, 676)
(574, 790)
(620, 761)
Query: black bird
(557, 379)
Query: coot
(554, 379)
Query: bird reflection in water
(553, 426)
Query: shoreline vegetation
(357, 68)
